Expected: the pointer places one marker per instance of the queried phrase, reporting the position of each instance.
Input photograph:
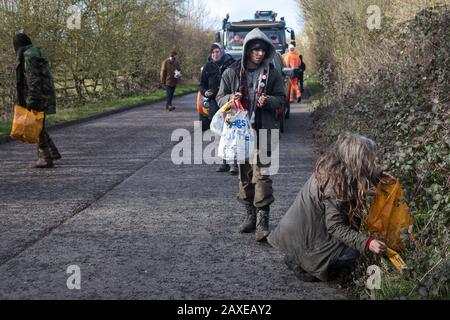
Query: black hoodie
(212, 74)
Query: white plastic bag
(217, 123)
(238, 138)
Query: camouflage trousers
(45, 142)
(254, 188)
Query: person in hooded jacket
(210, 78)
(319, 234)
(36, 91)
(242, 81)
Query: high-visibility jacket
(292, 60)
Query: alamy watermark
(74, 21)
(74, 280)
(374, 280)
(190, 148)
(374, 20)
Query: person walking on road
(319, 233)
(292, 60)
(301, 73)
(36, 91)
(211, 75)
(241, 81)
(169, 75)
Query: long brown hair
(348, 169)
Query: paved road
(138, 226)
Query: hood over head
(21, 40)
(257, 39)
(216, 45)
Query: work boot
(223, 168)
(234, 170)
(249, 224)
(262, 225)
(54, 153)
(44, 160)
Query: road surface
(136, 225)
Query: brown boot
(44, 160)
(54, 153)
(249, 224)
(262, 225)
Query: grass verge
(89, 109)
(313, 86)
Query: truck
(233, 33)
(232, 36)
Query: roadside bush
(393, 86)
(116, 52)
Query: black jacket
(212, 74)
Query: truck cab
(233, 33)
(232, 38)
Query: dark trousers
(345, 263)
(169, 95)
(44, 138)
(213, 108)
(45, 142)
(300, 81)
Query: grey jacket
(315, 232)
(231, 83)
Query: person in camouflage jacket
(36, 91)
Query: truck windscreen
(235, 39)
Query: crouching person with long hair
(319, 234)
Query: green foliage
(116, 53)
(89, 109)
(313, 86)
(397, 92)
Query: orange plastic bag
(389, 216)
(27, 125)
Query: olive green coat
(315, 231)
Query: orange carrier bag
(389, 216)
(27, 125)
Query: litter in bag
(389, 216)
(27, 125)
(238, 139)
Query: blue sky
(245, 9)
